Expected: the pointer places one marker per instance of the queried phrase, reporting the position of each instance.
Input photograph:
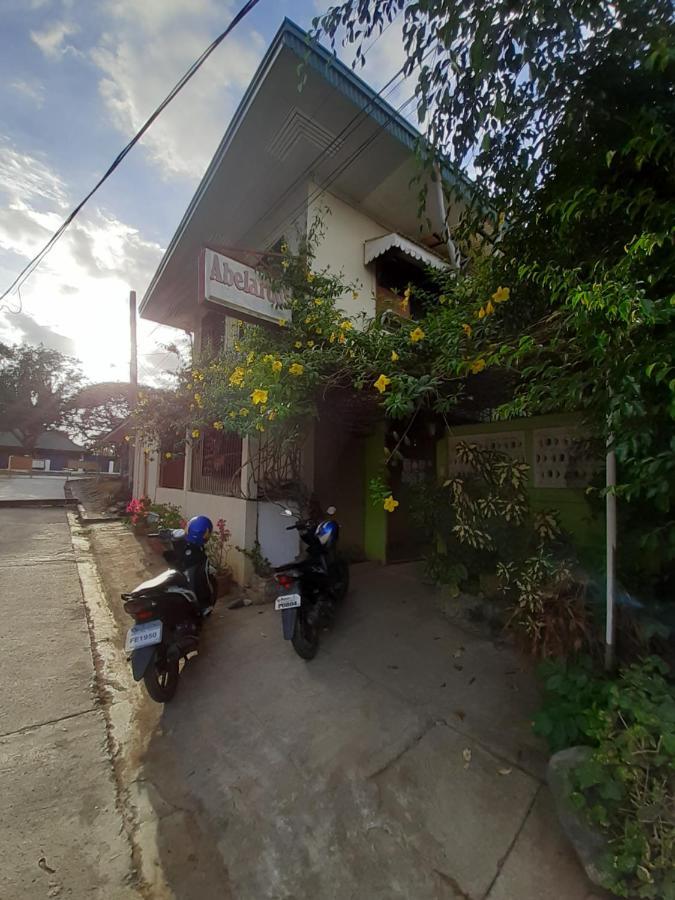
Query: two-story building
(309, 137)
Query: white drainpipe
(610, 508)
(452, 250)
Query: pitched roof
(48, 440)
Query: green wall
(576, 517)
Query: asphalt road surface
(32, 487)
(60, 829)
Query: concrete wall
(341, 250)
(586, 529)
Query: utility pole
(133, 357)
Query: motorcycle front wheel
(305, 638)
(161, 679)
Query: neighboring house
(53, 451)
(337, 149)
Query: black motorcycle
(169, 611)
(312, 588)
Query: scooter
(312, 588)
(169, 611)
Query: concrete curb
(37, 503)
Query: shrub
(218, 547)
(626, 788)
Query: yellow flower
(284, 263)
(381, 383)
(341, 338)
(243, 411)
(417, 335)
(481, 313)
(237, 376)
(332, 337)
(310, 277)
(394, 356)
(218, 425)
(284, 247)
(250, 357)
(198, 376)
(390, 504)
(272, 414)
(318, 302)
(259, 396)
(277, 365)
(259, 426)
(467, 329)
(405, 305)
(406, 293)
(501, 294)
(309, 320)
(298, 345)
(232, 414)
(310, 344)
(319, 330)
(477, 366)
(198, 399)
(346, 325)
(168, 455)
(489, 308)
(195, 433)
(355, 296)
(268, 357)
(442, 299)
(296, 369)
(282, 323)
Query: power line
(35, 262)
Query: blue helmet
(199, 530)
(327, 533)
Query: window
(216, 464)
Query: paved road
(60, 829)
(32, 487)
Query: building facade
(309, 139)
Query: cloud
(52, 40)
(77, 300)
(29, 90)
(20, 327)
(144, 51)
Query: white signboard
(241, 289)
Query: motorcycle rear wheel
(161, 679)
(305, 638)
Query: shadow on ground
(399, 763)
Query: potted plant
(218, 550)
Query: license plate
(287, 601)
(144, 635)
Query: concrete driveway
(32, 487)
(399, 763)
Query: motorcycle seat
(170, 578)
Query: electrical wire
(37, 259)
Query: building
(335, 148)
(54, 451)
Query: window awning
(377, 246)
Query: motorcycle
(169, 611)
(312, 588)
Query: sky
(77, 79)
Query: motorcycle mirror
(331, 510)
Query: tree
(99, 408)
(37, 386)
(494, 81)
